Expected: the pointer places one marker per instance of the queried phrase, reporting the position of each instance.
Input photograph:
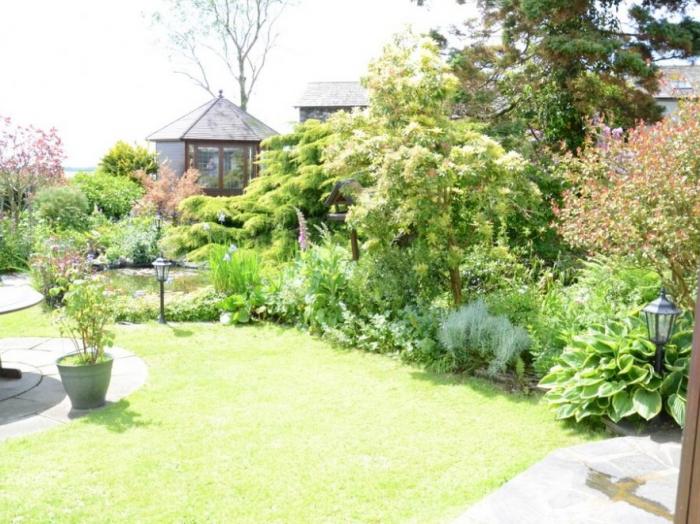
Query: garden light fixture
(158, 223)
(660, 316)
(162, 268)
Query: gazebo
(218, 139)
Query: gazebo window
(206, 161)
(224, 167)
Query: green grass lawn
(266, 424)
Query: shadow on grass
(488, 389)
(117, 417)
(180, 333)
(478, 385)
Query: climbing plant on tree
(433, 180)
(558, 63)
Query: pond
(135, 282)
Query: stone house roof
(218, 119)
(678, 81)
(333, 94)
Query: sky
(99, 71)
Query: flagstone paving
(17, 293)
(37, 401)
(625, 480)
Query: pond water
(136, 282)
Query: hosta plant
(608, 372)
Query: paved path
(17, 293)
(626, 480)
(37, 401)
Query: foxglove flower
(303, 231)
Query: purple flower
(303, 231)
(617, 133)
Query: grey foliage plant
(473, 338)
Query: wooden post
(688, 493)
(354, 245)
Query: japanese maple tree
(434, 182)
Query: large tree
(239, 34)
(542, 68)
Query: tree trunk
(242, 84)
(456, 285)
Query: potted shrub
(86, 373)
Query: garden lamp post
(162, 268)
(660, 316)
(158, 223)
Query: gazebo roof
(218, 119)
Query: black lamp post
(660, 316)
(162, 268)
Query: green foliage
(409, 332)
(63, 207)
(472, 339)
(233, 270)
(313, 289)
(114, 196)
(84, 318)
(386, 280)
(292, 177)
(133, 240)
(15, 244)
(125, 160)
(236, 274)
(54, 267)
(605, 289)
(608, 372)
(203, 305)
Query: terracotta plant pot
(86, 385)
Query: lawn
(267, 424)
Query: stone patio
(37, 401)
(17, 293)
(625, 480)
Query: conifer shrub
(264, 216)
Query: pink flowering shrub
(30, 158)
(640, 195)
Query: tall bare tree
(239, 33)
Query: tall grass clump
(472, 339)
(234, 271)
